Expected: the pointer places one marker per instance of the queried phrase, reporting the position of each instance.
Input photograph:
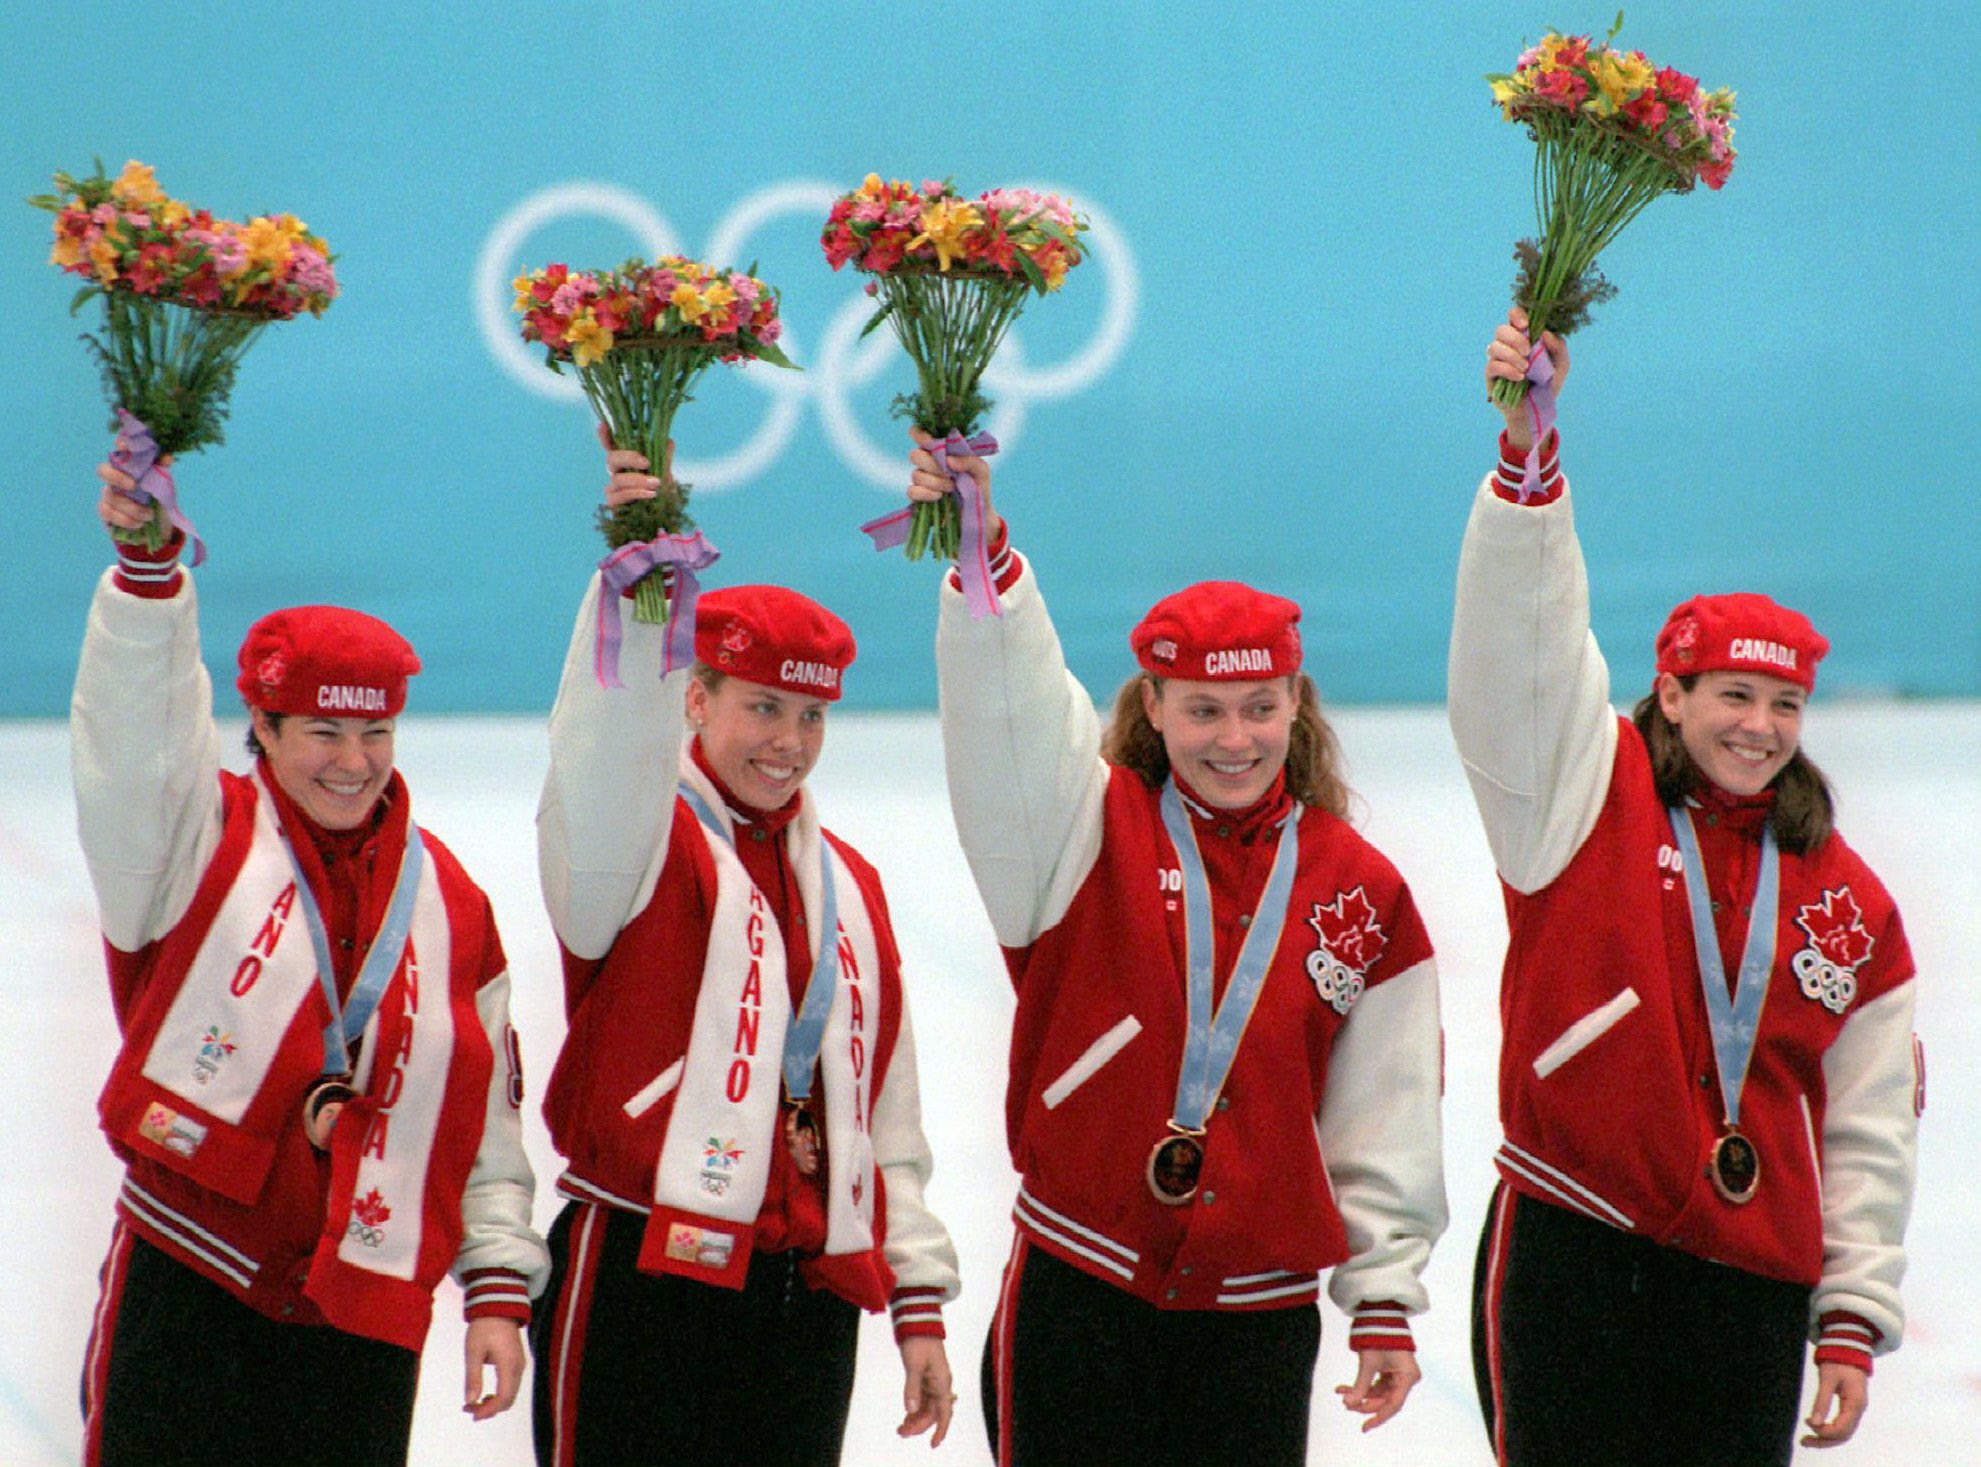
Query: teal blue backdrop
(1270, 370)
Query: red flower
(1646, 111)
(841, 245)
(1675, 86)
(884, 252)
(1564, 88)
(148, 271)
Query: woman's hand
(928, 484)
(498, 1342)
(928, 1394)
(116, 506)
(1842, 1393)
(630, 480)
(1506, 360)
(1382, 1384)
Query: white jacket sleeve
(917, 1247)
(1382, 1140)
(1021, 742)
(608, 800)
(495, 1206)
(1870, 1130)
(1529, 691)
(145, 758)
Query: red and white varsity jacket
(1324, 1149)
(634, 890)
(214, 984)
(1609, 1092)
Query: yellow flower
(103, 258)
(688, 301)
(68, 251)
(944, 225)
(588, 340)
(1055, 271)
(872, 187)
(135, 186)
(268, 238)
(174, 213)
(521, 285)
(1619, 78)
(718, 295)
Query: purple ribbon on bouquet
(624, 568)
(1541, 403)
(973, 545)
(137, 454)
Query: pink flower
(870, 211)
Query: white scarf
(241, 999)
(716, 1159)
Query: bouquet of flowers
(951, 275)
(639, 336)
(1613, 132)
(184, 295)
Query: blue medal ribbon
(1735, 1017)
(347, 1021)
(805, 1035)
(1211, 1037)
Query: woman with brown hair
(1225, 1057)
(1708, 1077)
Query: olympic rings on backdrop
(844, 362)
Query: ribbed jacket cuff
(916, 1312)
(1005, 566)
(1380, 1325)
(1512, 468)
(152, 574)
(496, 1293)
(1846, 1339)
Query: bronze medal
(801, 1139)
(324, 1091)
(1735, 1168)
(1175, 1163)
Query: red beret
(1219, 631)
(768, 635)
(1741, 632)
(325, 662)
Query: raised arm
(1529, 691)
(608, 800)
(1021, 741)
(145, 753)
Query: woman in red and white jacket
(1709, 1081)
(1225, 1061)
(736, 1097)
(317, 1093)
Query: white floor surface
(1910, 778)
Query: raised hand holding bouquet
(951, 275)
(1613, 132)
(638, 337)
(184, 296)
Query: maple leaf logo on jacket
(371, 1210)
(1838, 946)
(1350, 942)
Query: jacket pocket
(1090, 1062)
(654, 1091)
(1584, 1032)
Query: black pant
(197, 1377)
(1613, 1351)
(1099, 1377)
(659, 1369)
